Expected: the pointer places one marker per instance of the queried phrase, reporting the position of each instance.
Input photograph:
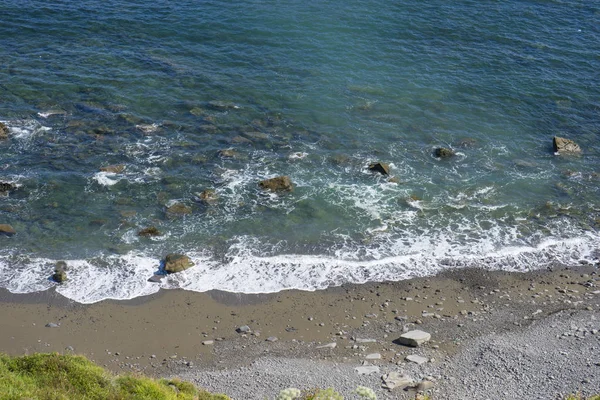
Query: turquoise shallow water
(312, 91)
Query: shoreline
(163, 334)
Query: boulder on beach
(177, 263)
(113, 169)
(444, 152)
(382, 168)
(60, 272)
(565, 146)
(277, 184)
(3, 131)
(414, 338)
(150, 231)
(7, 230)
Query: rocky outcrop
(113, 169)
(148, 232)
(444, 152)
(565, 146)
(3, 131)
(60, 272)
(7, 230)
(277, 184)
(177, 263)
(380, 167)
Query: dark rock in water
(208, 196)
(6, 187)
(240, 140)
(178, 209)
(60, 272)
(156, 278)
(280, 183)
(177, 263)
(3, 131)
(7, 230)
(444, 152)
(227, 153)
(340, 159)
(467, 143)
(380, 167)
(565, 146)
(222, 105)
(256, 135)
(114, 169)
(150, 231)
(394, 179)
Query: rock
(6, 187)
(280, 183)
(3, 131)
(208, 196)
(272, 339)
(113, 169)
(156, 278)
(227, 153)
(357, 340)
(424, 385)
(380, 167)
(147, 129)
(178, 209)
(414, 338)
(367, 369)
(373, 356)
(51, 325)
(150, 231)
(208, 342)
(394, 380)
(243, 329)
(59, 276)
(7, 230)
(416, 359)
(331, 345)
(444, 152)
(177, 263)
(565, 146)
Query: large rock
(3, 131)
(7, 230)
(396, 380)
(277, 184)
(380, 167)
(444, 152)
(60, 272)
(208, 196)
(565, 146)
(414, 338)
(177, 263)
(6, 187)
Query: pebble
(331, 345)
(51, 325)
(208, 342)
(373, 356)
(243, 329)
(416, 359)
(272, 339)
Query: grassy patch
(58, 377)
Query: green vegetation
(580, 397)
(63, 377)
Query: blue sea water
(312, 90)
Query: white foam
(107, 178)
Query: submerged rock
(178, 209)
(565, 146)
(444, 152)
(227, 153)
(60, 272)
(3, 131)
(7, 230)
(113, 169)
(6, 187)
(177, 263)
(222, 105)
(150, 231)
(277, 184)
(208, 196)
(380, 167)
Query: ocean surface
(312, 90)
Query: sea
(181, 97)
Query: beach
(197, 336)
